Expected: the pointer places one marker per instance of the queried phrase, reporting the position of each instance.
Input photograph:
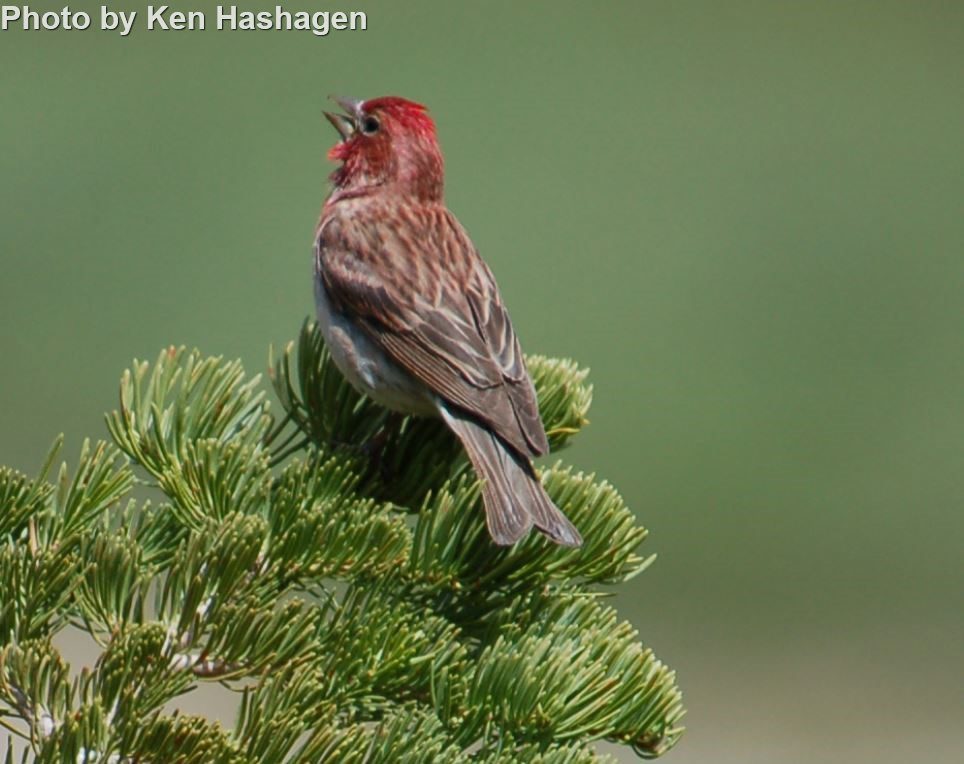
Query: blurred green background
(746, 217)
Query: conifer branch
(360, 610)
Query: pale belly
(366, 367)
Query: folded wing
(430, 302)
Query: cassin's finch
(413, 317)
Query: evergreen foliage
(353, 600)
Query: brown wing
(415, 284)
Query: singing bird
(412, 315)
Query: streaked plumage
(413, 315)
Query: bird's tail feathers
(514, 498)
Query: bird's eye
(370, 125)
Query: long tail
(513, 496)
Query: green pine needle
(351, 596)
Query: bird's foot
(375, 451)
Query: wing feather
(415, 284)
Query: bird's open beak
(347, 123)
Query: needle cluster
(349, 595)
